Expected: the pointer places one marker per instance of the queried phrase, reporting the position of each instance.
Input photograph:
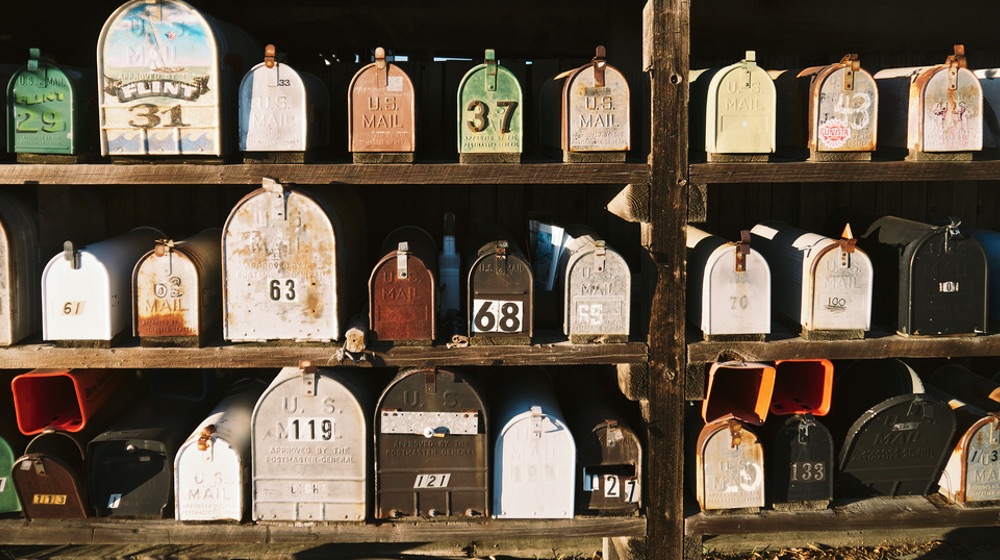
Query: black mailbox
(500, 296)
(801, 464)
(49, 477)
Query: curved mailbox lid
(729, 463)
(729, 285)
(212, 466)
(863, 384)
(381, 108)
(740, 390)
(597, 289)
(843, 108)
(490, 110)
(46, 108)
(402, 289)
(50, 477)
(801, 462)
(500, 293)
(968, 387)
(802, 387)
(432, 455)
(741, 110)
(20, 271)
(595, 108)
(311, 447)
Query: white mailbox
(534, 470)
(312, 447)
(87, 292)
(729, 466)
(20, 270)
(739, 110)
(728, 287)
(212, 467)
(597, 290)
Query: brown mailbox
(402, 289)
(381, 115)
(50, 477)
(500, 295)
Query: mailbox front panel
(801, 462)
(167, 293)
(741, 390)
(838, 291)
(274, 110)
(382, 113)
(741, 111)
(49, 488)
(20, 271)
(130, 478)
(533, 473)
(402, 295)
(735, 302)
(730, 467)
(500, 297)
(489, 111)
(950, 120)
(843, 119)
(597, 292)
(980, 456)
(596, 117)
(943, 289)
(45, 116)
(610, 458)
(8, 495)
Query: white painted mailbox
(597, 290)
(20, 270)
(740, 110)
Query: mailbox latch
(806, 421)
(955, 62)
(308, 371)
(491, 70)
(501, 256)
(599, 63)
(536, 422)
(851, 65)
(165, 247)
(848, 243)
(401, 260)
(274, 186)
(600, 255)
(614, 433)
(951, 230)
(735, 432)
(205, 438)
(742, 250)
(749, 65)
(71, 255)
(994, 428)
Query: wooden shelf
(838, 172)
(325, 173)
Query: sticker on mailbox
(432, 480)
(498, 316)
(310, 429)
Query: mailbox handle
(382, 76)
(491, 70)
(742, 250)
(599, 64)
(955, 62)
(851, 65)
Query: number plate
(432, 481)
(406, 422)
(498, 316)
(310, 428)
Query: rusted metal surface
(595, 109)
(381, 109)
(402, 290)
(843, 108)
(50, 477)
(729, 466)
(500, 294)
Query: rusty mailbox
(381, 113)
(431, 441)
(290, 259)
(935, 112)
(177, 296)
(311, 447)
(594, 112)
(500, 294)
(490, 114)
(86, 292)
(820, 283)
(168, 76)
(534, 454)
(402, 289)
(212, 466)
(282, 111)
(62, 399)
(728, 287)
(597, 289)
(50, 478)
(48, 111)
(728, 466)
(12, 445)
(740, 390)
(20, 270)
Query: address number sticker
(500, 316)
(432, 480)
(308, 428)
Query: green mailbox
(489, 114)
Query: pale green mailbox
(489, 114)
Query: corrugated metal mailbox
(402, 289)
(62, 399)
(935, 112)
(282, 111)
(595, 112)
(381, 113)
(597, 289)
(290, 262)
(534, 452)
(490, 114)
(729, 466)
(500, 295)
(609, 455)
(50, 477)
(87, 292)
(739, 109)
(728, 287)
(177, 295)
(20, 270)
(311, 447)
(168, 77)
(48, 111)
(821, 283)
(431, 440)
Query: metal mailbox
(61, 399)
(971, 476)
(595, 124)
(823, 284)
(967, 387)
(168, 77)
(990, 240)
(381, 113)
(130, 466)
(597, 289)
(801, 464)
(87, 293)
(740, 111)
(282, 110)
(490, 108)
(431, 441)
(12, 445)
(935, 112)
(740, 390)
(311, 447)
(50, 478)
(728, 287)
(20, 270)
(177, 297)
(729, 467)
(290, 259)
(802, 387)
(991, 105)
(500, 294)
(212, 467)
(402, 289)
(48, 111)
(534, 455)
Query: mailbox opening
(60, 399)
(738, 389)
(802, 386)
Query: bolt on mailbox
(283, 114)
(168, 77)
(50, 478)
(728, 287)
(500, 294)
(823, 284)
(177, 297)
(311, 447)
(381, 113)
(935, 112)
(729, 466)
(490, 114)
(402, 289)
(87, 291)
(597, 289)
(289, 264)
(20, 270)
(431, 440)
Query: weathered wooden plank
(870, 172)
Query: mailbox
(20, 270)
(738, 103)
(431, 440)
(823, 284)
(50, 478)
(594, 113)
(62, 399)
(728, 287)
(282, 111)
(893, 437)
(991, 106)
(402, 289)
(290, 259)
(311, 447)
(971, 476)
(177, 294)
(990, 240)
(212, 466)
(49, 111)
(967, 387)
(500, 294)
(381, 113)
(490, 128)
(802, 387)
(534, 452)
(801, 464)
(729, 467)
(740, 390)
(935, 112)
(169, 77)
(12, 445)
(597, 289)
(86, 292)
(130, 466)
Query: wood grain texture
(855, 172)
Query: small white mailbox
(740, 110)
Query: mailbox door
(61, 399)
(310, 449)
(274, 110)
(209, 484)
(597, 292)
(943, 288)
(43, 110)
(981, 465)
(730, 467)
(741, 390)
(735, 302)
(950, 120)
(741, 111)
(500, 297)
(596, 118)
(489, 110)
(49, 488)
(802, 462)
(610, 458)
(843, 119)
(402, 295)
(167, 292)
(382, 113)
(802, 387)
(533, 473)
(838, 288)
(20, 273)
(432, 452)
